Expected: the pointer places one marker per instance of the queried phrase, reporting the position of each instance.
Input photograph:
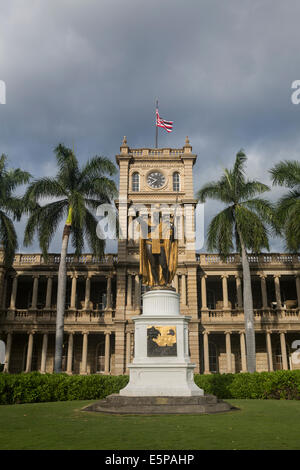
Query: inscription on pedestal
(161, 341)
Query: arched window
(176, 181)
(135, 182)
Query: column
(119, 347)
(193, 312)
(130, 228)
(49, 292)
(283, 351)
(128, 348)
(264, 295)
(87, 292)
(2, 285)
(4, 293)
(239, 294)
(243, 351)
(225, 291)
(44, 353)
(73, 292)
(84, 353)
(277, 290)
(120, 294)
(70, 353)
(181, 222)
(206, 352)
(228, 352)
(137, 292)
(176, 282)
(183, 289)
(108, 292)
(129, 290)
(14, 293)
(269, 351)
(203, 292)
(298, 288)
(29, 352)
(107, 352)
(7, 351)
(35, 291)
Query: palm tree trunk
(61, 300)
(248, 310)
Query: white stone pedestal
(152, 373)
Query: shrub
(36, 387)
(282, 384)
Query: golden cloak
(165, 240)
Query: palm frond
(68, 168)
(8, 238)
(251, 188)
(220, 232)
(97, 167)
(286, 173)
(264, 209)
(214, 190)
(253, 230)
(238, 172)
(95, 243)
(101, 188)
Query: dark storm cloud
(87, 72)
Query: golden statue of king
(158, 250)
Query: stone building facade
(103, 294)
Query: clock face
(156, 179)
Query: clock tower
(156, 177)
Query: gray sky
(87, 72)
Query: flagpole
(156, 127)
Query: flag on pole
(167, 125)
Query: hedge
(36, 387)
(282, 384)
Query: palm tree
(11, 207)
(77, 192)
(287, 173)
(240, 225)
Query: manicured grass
(259, 424)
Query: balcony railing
(25, 316)
(154, 152)
(260, 315)
(273, 258)
(38, 259)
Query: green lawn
(259, 424)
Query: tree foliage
(80, 188)
(11, 207)
(287, 174)
(246, 213)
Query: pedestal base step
(117, 404)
